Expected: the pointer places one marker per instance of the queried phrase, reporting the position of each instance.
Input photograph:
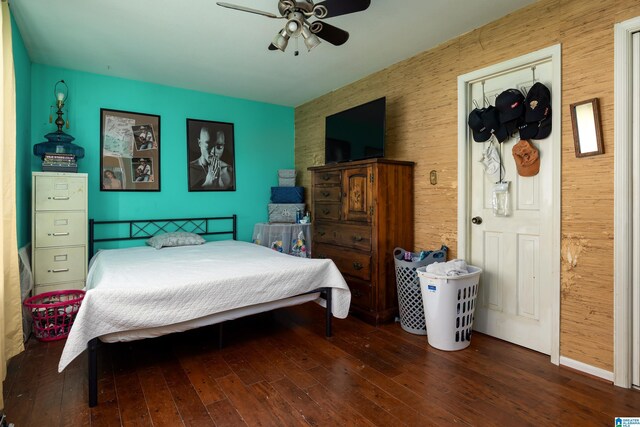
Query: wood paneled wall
(422, 126)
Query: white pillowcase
(176, 238)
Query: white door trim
(464, 166)
(623, 204)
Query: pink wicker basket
(53, 313)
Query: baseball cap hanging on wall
(510, 106)
(492, 163)
(527, 158)
(537, 113)
(485, 122)
(491, 120)
(480, 132)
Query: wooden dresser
(361, 211)
(59, 231)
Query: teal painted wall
(264, 143)
(22, 66)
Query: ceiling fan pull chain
(296, 53)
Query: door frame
(625, 260)
(554, 53)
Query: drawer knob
(321, 233)
(59, 198)
(357, 293)
(325, 193)
(58, 270)
(357, 265)
(326, 177)
(326, 211)
(357, 238)
(59, 234)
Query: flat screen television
(356, 133)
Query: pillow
(176, 238)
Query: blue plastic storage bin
(287, 194)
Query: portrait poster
(129, 151)
(210, 156)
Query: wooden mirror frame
(585, 125)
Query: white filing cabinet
(59, 230)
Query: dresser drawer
(332, 177)
(330, 211)
(59, 265)
(60, 193)
(361, 294)
(356, 264)
(327, 194)
(60, 229)
(350, 236)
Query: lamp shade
(281, 40)
(310, 39)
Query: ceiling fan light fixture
(281, 40)
(310, 39)
(293, 27)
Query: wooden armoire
(361, 211)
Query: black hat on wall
(544, 127)
(510, 105)
(481, 133)
(528, 130)
(538, 129)
(537, 103)
(491, 120)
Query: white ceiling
(198, 45)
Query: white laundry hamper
(449, 305)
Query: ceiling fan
(298, 13)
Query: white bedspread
(142, 287)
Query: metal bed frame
(144, 229)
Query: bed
(141, 292)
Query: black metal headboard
(144, 228)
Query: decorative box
(284, 212)
(287, 177)
(287, 194)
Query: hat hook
(533, 81)
(533, 71)
(475, 104)
(484, 97)
(486, 100)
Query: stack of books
(59, 162)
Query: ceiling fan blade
(333, 35)
(248, 9)
(342, 7)
(272, 47)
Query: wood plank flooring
(278, 369)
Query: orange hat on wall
(527, 158)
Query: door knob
(476, 220)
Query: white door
(515, 252)
(636, 221)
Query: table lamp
(59, 142)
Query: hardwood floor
(278, 369)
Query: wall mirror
(587, 136)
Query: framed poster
(129, 151)
(211, 156)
